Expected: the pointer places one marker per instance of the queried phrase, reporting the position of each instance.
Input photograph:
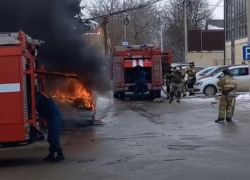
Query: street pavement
(142, 140)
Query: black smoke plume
(64, 50)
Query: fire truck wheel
(116, 95)
(122, 95)
(158, 94)
(152, 95)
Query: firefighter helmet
(191, 63)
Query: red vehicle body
(19, 80)
(126, 61)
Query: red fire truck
(127, 59)
(19, 79)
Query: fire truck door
(156, 71)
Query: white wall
(238, 50)
(205, 58)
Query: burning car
(76, 103)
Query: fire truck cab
(128, 60)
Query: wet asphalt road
(143, 141)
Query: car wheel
(122, 95)
(210, 90)
(116, 95)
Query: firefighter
(168, 80)
(140, 84)
(191, 72)
(183, 86)
(48, 110)
(177, 77)
(228, 86)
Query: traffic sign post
(246, 57)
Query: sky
(219, 11)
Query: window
(243, 72)
(207, 71)
(239, 71)
(218, 70)
(236, 19)
(235, 72)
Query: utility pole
(104, 26)
(248, 31)
(126, 21)
(186, 2)
(233, 47)
(248, 19)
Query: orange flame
(77, 94)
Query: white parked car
(205, 72)
(208, 86)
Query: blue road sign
(246, 53)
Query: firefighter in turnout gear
(177, 77)
(191, 72)
(168, 79)
(228, 86)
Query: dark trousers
(54, 128)
(191, 83)
(139, 88)
(168, 89)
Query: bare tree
(141, 27)
(173, 16)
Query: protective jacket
(142, 77)
(228, 85)
(191, 71)
(177, 76)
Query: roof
(11, 38)
(9, 41)
(215, 24)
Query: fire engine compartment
(130, 74)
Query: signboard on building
(125, 43)
(246, 53)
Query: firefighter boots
(50, 157)
(60, 155)
(219, 120)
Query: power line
(213, 9)
(123, 11)
(159, 7)
(139, 12)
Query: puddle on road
(184, 147)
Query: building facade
(236, 29)
(205, 47)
